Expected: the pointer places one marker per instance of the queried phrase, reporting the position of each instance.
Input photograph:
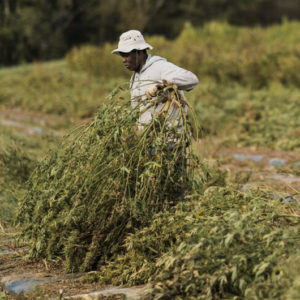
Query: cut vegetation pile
(226, 245)
(107, 180)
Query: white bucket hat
(131, 40)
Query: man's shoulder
(157, 63)
(156, 59)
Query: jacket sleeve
(185, 79)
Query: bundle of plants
(227, 245)
(108, 179)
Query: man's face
(131, 60)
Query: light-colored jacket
(155, 70)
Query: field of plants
(86, 194)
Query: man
(149, 70)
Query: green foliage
(3, 296)
(106, 181)
(14, 162)
(267, 117)
(251, 56)
(51, 88)
(226, 244)
(96, 61)
(18, 157)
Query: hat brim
(130, 48)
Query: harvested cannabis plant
(108, 179)
(226, 245)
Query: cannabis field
(87, 193)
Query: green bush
(250, 56)
(96, 61)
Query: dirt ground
(264, 168)
(14, 268)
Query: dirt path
(31, 123)
(22, 279)
(264, 168)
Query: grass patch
(51, 88)
(266, 118)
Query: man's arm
(184, 79)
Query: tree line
(46, 29)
